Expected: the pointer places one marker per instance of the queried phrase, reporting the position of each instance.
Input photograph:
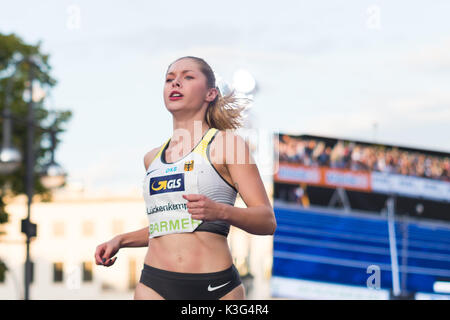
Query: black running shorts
(190, 286)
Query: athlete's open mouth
(175, 95)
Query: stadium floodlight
(243, 81)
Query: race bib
(167, 209)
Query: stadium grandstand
(358, 220)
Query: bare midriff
(196, 252)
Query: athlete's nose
(176, 83)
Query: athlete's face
(185, 77)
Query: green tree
(12, 49)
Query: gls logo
(171, 183)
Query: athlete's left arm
(258, 218)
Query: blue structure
(331, 246)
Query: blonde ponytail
(226, 112)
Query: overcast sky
(331, 68)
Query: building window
(58, 272)
(58, 228)
(87, 271)
(88, 228)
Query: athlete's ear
(211, 95)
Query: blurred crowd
(353, 156)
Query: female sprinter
(190, 188)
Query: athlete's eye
(168, 80)
(189, 77)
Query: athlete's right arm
(105, 252)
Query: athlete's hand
(105, 252)
(203, 208)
